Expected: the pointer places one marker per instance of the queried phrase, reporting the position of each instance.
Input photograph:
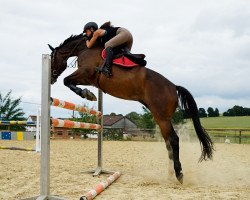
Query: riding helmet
(90, 25)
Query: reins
(75, 60)
(72, 64)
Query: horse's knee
(67, 81)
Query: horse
(141, 84)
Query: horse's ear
(51, 48)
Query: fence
(236, 135)
(187, 134)
(20, 135)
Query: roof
(109, 120)
(32, 117)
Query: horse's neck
(75, 48)
(90, 52)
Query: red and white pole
(101, 187)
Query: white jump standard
(46, 101)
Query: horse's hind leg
(172, 144)
(77, 78)
(171, 170)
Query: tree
(225, 114)
(113, 134)
(210, 112)
(10, 110)
(136, 118)
(231, 112)
(237, 111)
(113, 114)
(216, 112)
(178, 116)
(213, 113)
(147, 119)
(202, 112)
(247, 111)
(144, 121)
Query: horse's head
(58, 63)
(59, 55)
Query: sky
(202, 45)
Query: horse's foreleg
(71, 81)
(84, 93)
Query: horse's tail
(189, 105)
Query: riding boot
(106, 67)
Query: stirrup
(106, 72)
(98, 69)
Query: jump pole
(11, 122)
(45, 134)
(71, 106)
(17, 148)
(99, 169)
(101, 187)
(38, 132)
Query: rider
(110, 37)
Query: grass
(227, 123)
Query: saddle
(123, 57)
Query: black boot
(106, 67)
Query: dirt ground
(144, 166)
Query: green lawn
(226, 122)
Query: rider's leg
(106, 68)
(123, 36)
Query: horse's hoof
(180, 178)
(91, 97)
(88, 95)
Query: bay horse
(140, 84)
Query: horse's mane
(106, 25)
(71, 38)
(77, 37)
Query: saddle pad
(121, 61)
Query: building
(31, 118)
(63, 133)
(109, 121)
(118, 121)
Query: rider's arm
(97, 33)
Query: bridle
(56, 73)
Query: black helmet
(90, 25)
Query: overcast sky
(201, 45)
